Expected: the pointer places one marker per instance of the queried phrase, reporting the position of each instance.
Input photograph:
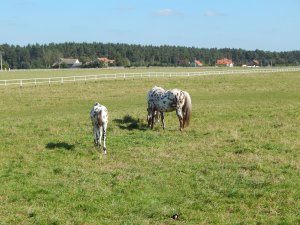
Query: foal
(99, 118)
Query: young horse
(99, 118)
(160, 101)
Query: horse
(160, 101)
(99, 118)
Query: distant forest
(44, 56)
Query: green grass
(238, 162)
(21, 74)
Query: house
(67, 63)
(254, 63)
(198, 63)
(224, 62)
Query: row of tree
(43, 56)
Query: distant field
(23, 74)
(238, 162)
(20, 74)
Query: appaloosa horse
(99, 118)
(160, 101)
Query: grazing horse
(160, 101)
(99, 118)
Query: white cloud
(165, 12)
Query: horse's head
(155, 116)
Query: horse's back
(97, 110)
(165, 100)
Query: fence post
(62, 80)
(21, 83)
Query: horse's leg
(180, 118)
(96, 135)
(100, 135)
(162, 119)
(104, 137)
(149, 111)
(157, 116)
(152, 118)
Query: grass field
(237, 163)
(27, 74)
(21, 74)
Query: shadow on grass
(60, 145)
(130, 123)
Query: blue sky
(270, 25)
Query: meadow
(237, 163)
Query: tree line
(43, 56)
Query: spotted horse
(99, 118)
(160, 101)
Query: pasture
(237, 163)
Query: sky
(268, 25)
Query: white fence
(86, 78)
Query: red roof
(198, 62)
(224, 61)
(106, 60)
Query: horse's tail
(187, 110)
(99, 118)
